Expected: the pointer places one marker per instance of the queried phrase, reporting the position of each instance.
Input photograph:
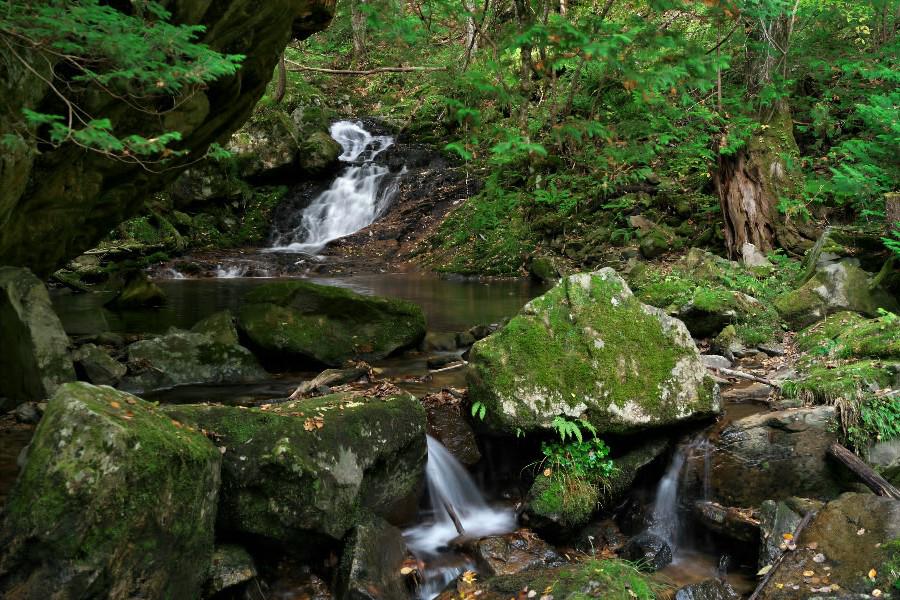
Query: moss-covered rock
(834, 288)
(231, 566)
(328, 325)
(559, 501)
(94, 365)
(220, 327)
(819, 337)
(316, 466)
(318, 152)
(34, 354)
(841, 242)
(139, 292)
(183, 357)
(589, 349)
(607, 579)
(116, 500)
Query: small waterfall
(666, 518)
(355, 199)
(450, 485)
(230, 271)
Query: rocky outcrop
(116, 500)
(589, 349)
(710, 589)
(314, 467)
(34, 356)
(231, 566)
(306, 322)
(139, 292)
(848, 550)
(370, 567)
(513, 553)
(74, 197)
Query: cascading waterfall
(450, 487)
(666, 519)
(355, 199)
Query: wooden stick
(455, 365)
(867, 474)
(297, 67)
(748, 376)
(765, 581)
(456, 521)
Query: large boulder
(116, 500)
(184, 357)
(73, 197)
(313, 467)
(327, 325)
(589, 349)
(848, 550)
(370, 567)
(139, 292)
(34, 354)
(774, 455)
(833, 288)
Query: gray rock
(34, 349)
(513, 553)
(464, 339)
(773, 349)
(777, 519)
(94, 365)
(752, 257)
(29, 412)
(650, 551)
(710, 589)
(220, 327)
(714, 361)
(370, 568)
(231, 566)
(139, 292)
(440, 342)
(448, 425)
(747, 392)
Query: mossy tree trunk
(751, 182)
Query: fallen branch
(455, 365)
(765, 581)
(297, 67)
(867, 474)
(454, 518)
(748, 376)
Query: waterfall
(356, 198)
(666, 522)
(450, 485)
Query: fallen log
(330, 378)
(456, 521)
(747, 376)
(868, 475)
(298, 67)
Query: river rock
(709, 589)
(752, 257)
(115, 501)
(318, 153)
(557, 503)
(440, 341)
(734, 523)
(220, 327)
(95, 365)
(231, 566)
(327, 325)
(710, 311)
(833, 288)
(34, 353)
(448, 424)
(513, 553)
(139, 292)
(777, 519)
(845, 550)
(838, 243)
(650, 551)
(775, 455)
(29, 413)
(313, 467)
(370, 568)
(714, 361)
(600, 536)
(589, 349)
(183, 357)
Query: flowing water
(450, 488)
(356, 198)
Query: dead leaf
(808, 573)
(873, 574)
(115, 405)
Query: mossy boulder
(34, 348)
(139, 292)
(94, 365)
(819, 337)
(589, 349)
(265, 145)
(561, 502)
(327, 325)
(833, 288)
(842, 242)
(184, 357)
(319, 152)
(116, 500)
(313, 467)
(220, 327)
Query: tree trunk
(281, 87)
(892, 211)
(358, 25)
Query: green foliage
(586, 459)
(134, 54)
(566, 428)
(480, 410)
(893, 563)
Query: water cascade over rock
(358, 196)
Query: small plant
(479, 410)
(566, 428)
(584, 459)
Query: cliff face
(57, 203)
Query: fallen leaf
(819, 558)
(115, 405)
(808, 573)
(406, 570)
(764, 570)
(876, 593)
(861, 531)
(548, 472)
(787, 536)
(873, 574)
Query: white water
(666, 519)
(355, 199)
(449, 484)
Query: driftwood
(453, 366)
(456, 521)
(297, 67)
(748, 376)
(768, 577)
(866, 474)
(330, 378)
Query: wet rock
(370, 568)
(627, 468)
(752, 257)
(95, 365)
(182, 357)
(834, 288)
(479, 332)
(710, 589)
(313, 467)
(557, 502)
(710, 311)
(543, 269)
(737, 524)
(220, 327)
(747, 392)
(440, 342)
(139, 292)
(650, 551)
(29, 412)
(327, 325)
(596, 537)
(514, 553)
(714, 361)
(777, 519)
(448, 424)
(439, 361)
(774, 456)
(34, 356)
(319, 153)
(728, 344)
(464, 339)
(113, 498)
(884, 456)
(582, 350)
(845, 550)
(231, 566)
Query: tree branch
(297, 67)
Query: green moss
(876, 338)
(819, 337)
(825, 384)
(568, 501)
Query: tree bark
(281, 87)
(358, 27)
